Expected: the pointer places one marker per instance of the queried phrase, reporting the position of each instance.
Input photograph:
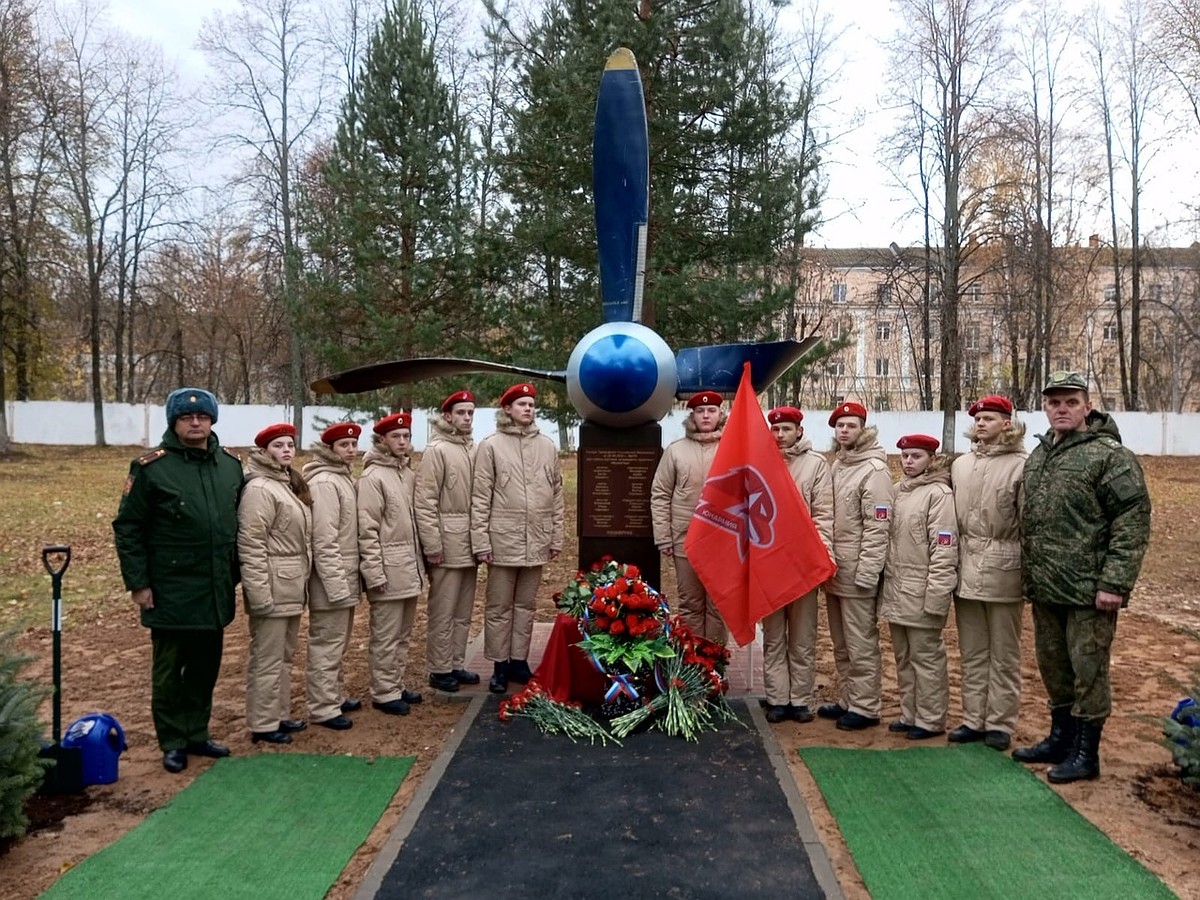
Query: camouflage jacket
(1086, 522)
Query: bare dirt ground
(1139, 801)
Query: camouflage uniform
(1086, 526)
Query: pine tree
(21, 770)
(383, 217)
(727, 184)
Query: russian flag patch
(945, 539)
(881, 512)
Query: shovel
(65, 776)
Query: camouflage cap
(1065, 381)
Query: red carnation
(617, 626)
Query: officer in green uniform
(176, 537)
(1085, 529)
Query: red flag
(751, 539)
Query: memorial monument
(621, 377)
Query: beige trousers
(790, 652)
(854, 630)
(511, 598)
(989, 642)
(269, 670)
(328, 639)
(696, 607)
(451, 599)
(921, 676)
(387, 650)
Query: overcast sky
(863, 205)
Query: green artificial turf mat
(270, 825)
(967, 822)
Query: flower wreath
(662, 674)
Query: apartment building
(884, 304)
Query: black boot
(498, 683)
(518, 671)
(1084, 762)
(1058, 745)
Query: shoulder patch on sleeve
(882, 512)
(146, 458)
(945, 539)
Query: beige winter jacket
(334, 582)
(274, 541)
(811, 473)
(862, 504)
(516, 496)
(678, 482)
(987, 500)
(444, 496)
(922, 560)
(388, 548)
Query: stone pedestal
(616, 469)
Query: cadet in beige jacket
(334, 586)
(674, 494)
(862, 506)
(790, 633)
(275, 550)
(988, 603)
(918, 582)
(516, 528)
(389, 560)
(444, 523)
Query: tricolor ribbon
(620, 685)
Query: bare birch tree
(954, 51)
(272, 69)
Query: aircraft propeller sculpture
(621, 374)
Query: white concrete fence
(142, 425)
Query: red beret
(993, 403)
(785, 414)
(516, 392)
(849, 408)
(279, 429)
(704, 398)
(918, 442)
(463, 396)
(335, 433)
(392, 422)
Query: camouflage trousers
(1074, 646)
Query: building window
(839, 292)
(883, 403)
(1108, 401)
(836, 400)
(1110, 293)
(881, 367)
(970, 336)
(1110, 331)
(975, 293)
(883, 331)
(883, 292)
(837, 368)
(1064, 363)
(971, 371)
(1156, 293)
(838, 329)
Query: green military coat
(176, 533)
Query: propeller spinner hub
(621, 374)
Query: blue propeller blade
(719, 367)
(620, 179)
(406, 371)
